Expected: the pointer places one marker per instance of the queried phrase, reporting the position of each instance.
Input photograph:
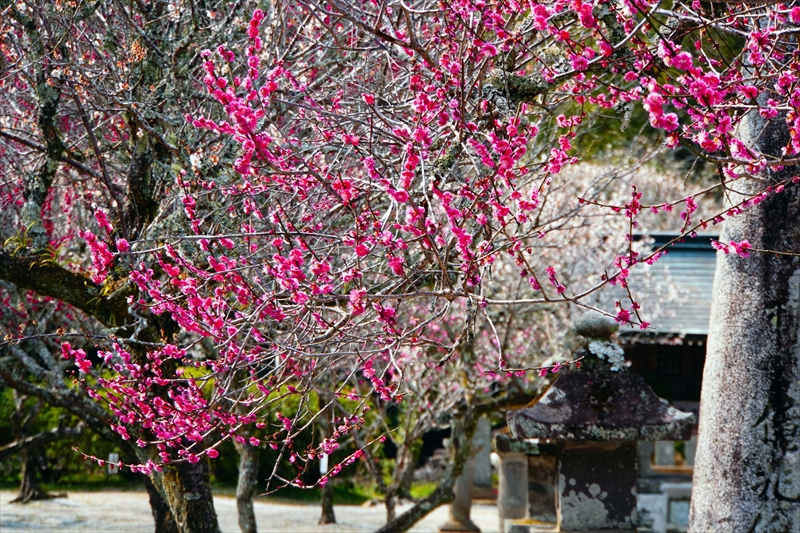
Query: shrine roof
(675, 292)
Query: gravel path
(129, 512)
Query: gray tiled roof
(675, 292)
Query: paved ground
(129, 512)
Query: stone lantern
(596, 414)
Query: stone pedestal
(483, 464)
(461, 507)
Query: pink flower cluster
(740, 248)
(101, 255)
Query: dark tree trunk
(247, 486)
(161, 512)
(29, 488)
(188, 494)
(390, 501)
(747, 468)
(328, 516)
(22, 420)
(401, 486)
(407, 478)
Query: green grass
(423, 489)
(347, 493)
(344, 494)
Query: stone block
(678, 516)
(677, 491)
(652, 512)
(529, 526)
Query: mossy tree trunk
(162, 514)
(187, 491)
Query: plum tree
(347, 189)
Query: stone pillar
(483, 464)
(645, 459)
(512, 491)
(542, 474)
(460, 508)
(597, 486)
(689, 449)
(649, 482)
(665, 453)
